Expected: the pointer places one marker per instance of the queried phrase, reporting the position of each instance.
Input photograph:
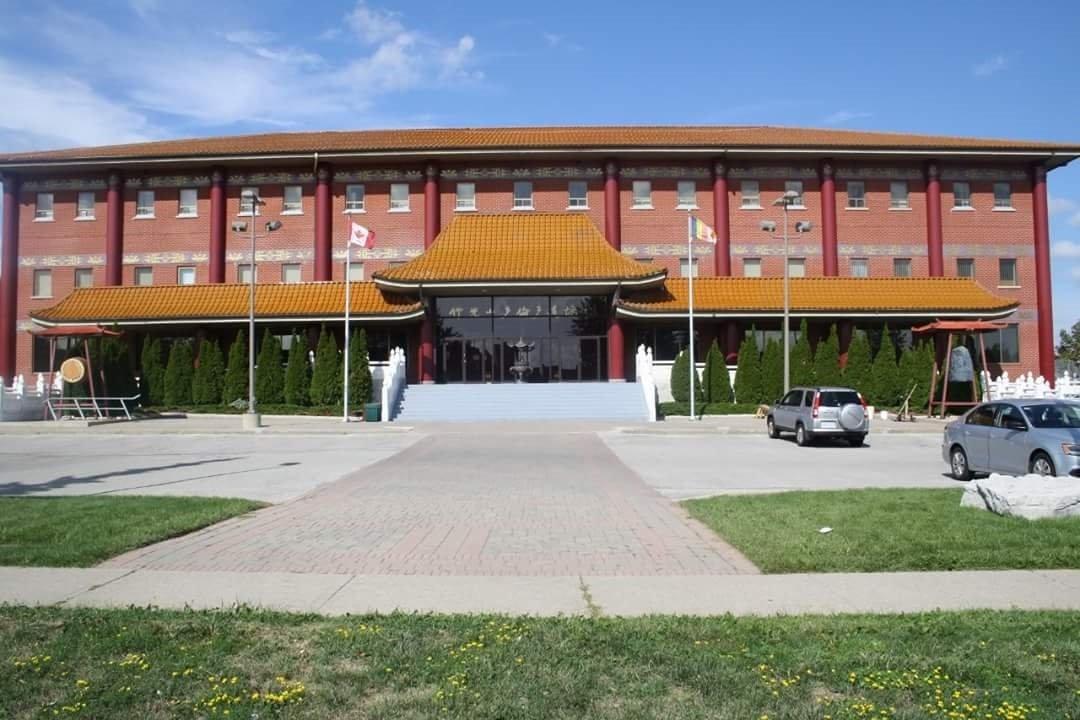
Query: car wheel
(856, 440)
(802, 438)
(958, 463)
(773, 432)
(1041, 464)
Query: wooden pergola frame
(76, 331)
(950, 329)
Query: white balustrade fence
(646, 379)
(393, 384)
(18, 402)
(1065, 387)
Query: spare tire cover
(851, 416)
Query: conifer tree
(802, 363)
(827, 360)
(772, 372)
(748, 381)
(857, 373)
(885, 374)
(236, 374)
(717, 382)
(152, 380)
(360, 382)
(680, 381)
(297, 372)
(326, 375)
(209, 375)
(269, 375)
(178, 374)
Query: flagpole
(690, 272)
(348, 271)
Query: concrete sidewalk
(546, 596)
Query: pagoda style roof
(520, 250)
(824, 296)
(174, 304)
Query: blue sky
(129, 70)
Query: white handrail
(1027, 385)
(393, 383)
(645, 378)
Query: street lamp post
(786, 200)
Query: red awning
(959, 326)
(76, 331)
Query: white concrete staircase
(525, 401)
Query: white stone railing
(646, 379)
(1028, 386)
(18, 402)
(393, 383)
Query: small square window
(84, 277)
(44, 208)
(465, 196)
(860, 267)
(356, 271)
(898, 195)
(399, 197)
(642, 195)
(961, 195)
(578, 195)
(42, 283)
(751, 267)
(85, 208)
(185, 276)
(856, 194)
(243, 274)
(687, 266)
(796, 267)
(354, 198)
(796, 187)
(292, 200)
(248, 197)
(1007, 276)
(901, 267)
(290, 273)
(144, 276)
(523, 195)
(1003, 346)
(189, 203)
(965, 267)
(144, 203)
(686, 192)
(751, 194)
(1002, 195)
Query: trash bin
(372, 412)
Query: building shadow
(14, 489)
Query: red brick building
(573, 237)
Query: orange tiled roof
(106, 305)
(434, 140)
(520, 248)
(921, 296)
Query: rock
(1027, 496)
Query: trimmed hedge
(670, 409)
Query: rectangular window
(290, 273)
(85, 208)
(465, 196)
(354, 198)
(642, 195)
(189, 203)
(686, 192)
(84, 277)
(523, 195)
(686, 266)
(796, 187)
(185, 276)
(399, 197)
(901, 267)
(1003, 195)
(856, 194)
(751, 267)
(1007, 276)
(144, 276)
(44, 208)
(898, 195)
(860, 267)
(243, 273)
(356, 271)
(965, 267)
(42, 283)
(796, 267)
(961, 192)
(292, 200)
(1003, 346)
(144, 203)
(577, 195)
(247, 200)
(751, 194)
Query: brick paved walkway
(465, 504)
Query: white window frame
(41, 214)
(182, 210)
(467, 203)
(754, 262)
(1002, 282)
(37, 289)
(137, 271)
(248, 211)
(142, 209)
(796, 262)
(240, 268)
(292, 207)
(750, 200)
(356, 268)
(577, 203)
(896, 203)
(353, 205)
(856, 195)
(82, 272)
(969, 260)
(679, 201)
(520, 201)
(962, 203)
(399, 205)
(689, 263)
(637, 200)
(183, 270)
(902, 262)
(1003, 204)
(797, 186)
(862, 262)
(82, 213)
(288, 267)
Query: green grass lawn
(878, 530)
(83, 531)
(155, 664)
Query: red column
(431, 204)
(732, 340)
(9, 277)
(934, 248)
(114, 231)
(612, 217)
(615, 350)
(844, 331)
(217, 226)
(721, 221)
(324, 250)
(1043, 296)
(829, 253)
(427, 349)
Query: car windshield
(1053, 415)
(838, 398)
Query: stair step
(596, 400)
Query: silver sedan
(1015, 437)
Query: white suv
(820, 412)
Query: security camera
(239, 226)
(768, 226)
(804, 226)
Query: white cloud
(841, 117)
(144, 8)
(1067, 248)
(990, 66)
(455, 61)
(1058, 205)
(553, 39)
(1074, 271)
(374, 25)
(1074, 219)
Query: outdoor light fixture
(768, 226)
(273, 225)
(239, 226)
(786, 200)
(804, 226)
